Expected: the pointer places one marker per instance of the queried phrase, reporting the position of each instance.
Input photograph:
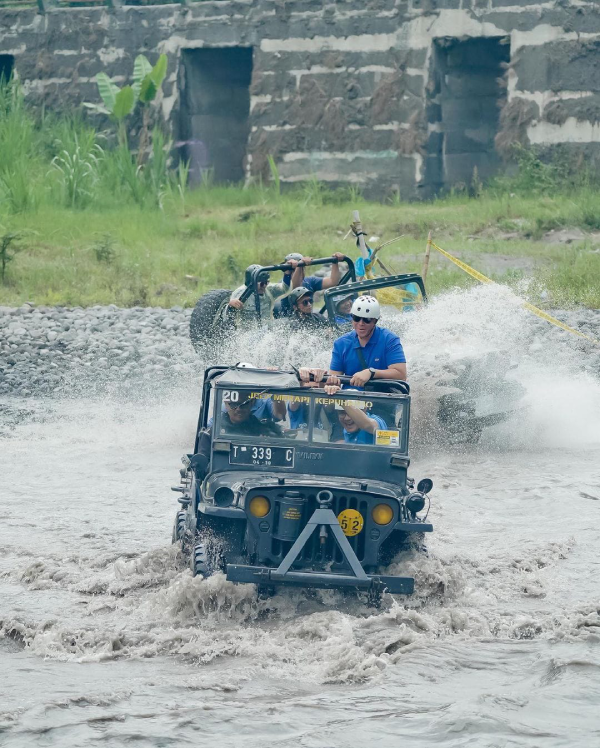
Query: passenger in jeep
(359, 425)
(239, 419)
(367, 352)
(303, 315)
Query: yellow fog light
(382, 514)
(260, 506)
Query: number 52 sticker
(351, 522)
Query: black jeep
(290, 486)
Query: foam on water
(89, 574)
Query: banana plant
(147, 81)
(119, 103)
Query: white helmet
(294, 256)
(245, 365)
(367, 307)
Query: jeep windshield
(268, 416)
(400, 293)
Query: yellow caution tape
(557, 322)
(526, 305)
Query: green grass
(221, 230)
(93, 229)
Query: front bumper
(263, 575)
(323, 522)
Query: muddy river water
(106, 640)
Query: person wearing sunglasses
(239, 418)
(367, 352)
(303, 315)
(313, 283)
(259, 306)
(343, 308)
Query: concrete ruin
(406, 96)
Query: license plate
(244, 454)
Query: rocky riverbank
(48, 349)
(58, 350)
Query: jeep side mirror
(425, 485)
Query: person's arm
(394, 371)
(279, 410)
(234, 301)
(298, 274)
(335, 276)
(396, 365)
(361, 419)
(396, 361)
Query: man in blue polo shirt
(368, 352)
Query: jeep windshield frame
(316, 399)
(332, 295)
(312, 458)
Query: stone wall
(350, 92)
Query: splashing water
(107, 638)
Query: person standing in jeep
(313, 283)
(367, 352)
(259, 306)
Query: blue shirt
(298, 417)
(313, 282)
(364, 437)
(263, 408)
(383, 349)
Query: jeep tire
(204, 324)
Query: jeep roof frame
(367, 285)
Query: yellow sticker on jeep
(387, 438)
(351, 522)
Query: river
(107, 640)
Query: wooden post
(427, 253)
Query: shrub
(78, 166)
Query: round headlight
(382, 514)
(260, 506)
(224, 496)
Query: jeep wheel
(205, 322)
(205, 559)
(178, 528)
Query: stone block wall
(351, 92)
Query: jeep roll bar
(349, 275)
(398, 386)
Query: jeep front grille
(331, 553)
